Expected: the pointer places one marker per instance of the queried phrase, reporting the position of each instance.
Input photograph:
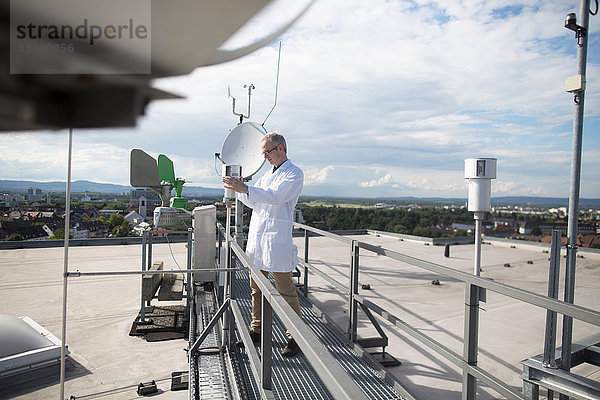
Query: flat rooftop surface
(509, 331)
(106, 362)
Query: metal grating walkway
(209, 372)
(294, 378)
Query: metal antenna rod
(250, 87)
(276, 86)
(241, 115)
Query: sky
(375, 98)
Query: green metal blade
(165, 169)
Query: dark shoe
(291, 349)
(255, 336)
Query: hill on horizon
(81, 186)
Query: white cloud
(314, 176)
(377, 182)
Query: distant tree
(420, 231)
(536, 231)
(460, 232)
(124, 230)
(60, 234)
(399, 228)
(14, 237)
(117, 206)
(112, 222)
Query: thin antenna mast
(241, 115)
(276, 86)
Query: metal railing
(474, 286)
(339, 383)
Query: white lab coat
(272, 200)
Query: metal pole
(66, 269)
(142, 308)
(567, 335)
(191, 357)
(306, 236)
(189, 267)
(353, 291)
(232, 296)
(553, 282)
(477, 262)
(471, 328)
(239, 223)
(227, 335)
(149, 264)
(471, 338)
(266, 358)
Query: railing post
(266, 343)
(149, 263)
(305, 288)
(142, 308)
(471, 333)
(353, 291)
(530, 389)
(553, 282)
(229, 292)
(189, 266)
(218, 255)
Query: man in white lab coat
(270, 244)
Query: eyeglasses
(268, 151)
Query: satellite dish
(243, 147)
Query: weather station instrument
(159, 177)
(241, 155)
(479, 172)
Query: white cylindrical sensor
(480, 193)
(233, 171)
(480, 172)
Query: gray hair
(277, 138)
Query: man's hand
(235, 184)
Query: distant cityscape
(35, 214)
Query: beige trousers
(286, 288)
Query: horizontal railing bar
(323, 233)
(339, 383)
(250, 350)
(76, 274)
(324, 276)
